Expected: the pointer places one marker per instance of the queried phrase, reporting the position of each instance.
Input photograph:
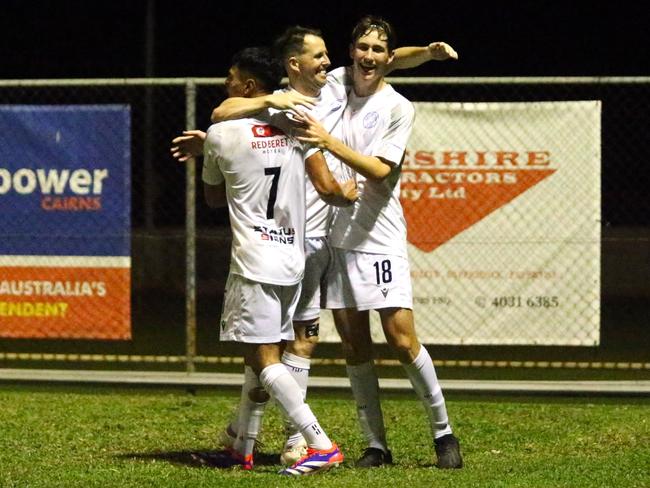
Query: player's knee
(404, 347)
(306, 338)
(303, 347)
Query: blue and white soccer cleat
(315, 461)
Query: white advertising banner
(502, 202)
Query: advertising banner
(502, 202)
(65, 222)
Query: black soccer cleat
(448, 452)
(373, 458)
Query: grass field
(74, 436)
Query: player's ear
(351, 51)
(250, 87)
(391, 56)
(293, 64)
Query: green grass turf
(74, 436)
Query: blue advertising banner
(65, 221)
(65, 180)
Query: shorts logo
(384, 291)
(266, 131)
(370, 120)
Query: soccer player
(371, 269)
(258, 169)
(306, 62)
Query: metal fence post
(190, 234)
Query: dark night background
(99, 38)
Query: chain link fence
(597, 254)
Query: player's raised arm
(240, 107)
(330, 190)
(412, 56)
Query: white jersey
(264, 171)
(378, 125)
(329, 112)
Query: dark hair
(370, 23)
(260, 63)
(291, 41)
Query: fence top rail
(491, 80)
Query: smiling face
(311, 65)
(370, 58)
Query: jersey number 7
(275, 172)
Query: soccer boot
(315, 461)
(292, 454)
(373, 457)
(448, 452)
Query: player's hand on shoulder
(291, 100)
(441, 51)
(187, 146)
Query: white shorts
(318, 258)
(257, 313)
(366, 281)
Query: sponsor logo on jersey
(280, 235)
(268, 145)
(466, 184)
(266, 131)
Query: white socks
(250, 415)
(283, 388)
(298, 367)
(365, 388)
(250, 381)
(423, 377)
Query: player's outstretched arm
(339, 195)
(412, 56)
(189, 145)
(240, 107)
(314, 133)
